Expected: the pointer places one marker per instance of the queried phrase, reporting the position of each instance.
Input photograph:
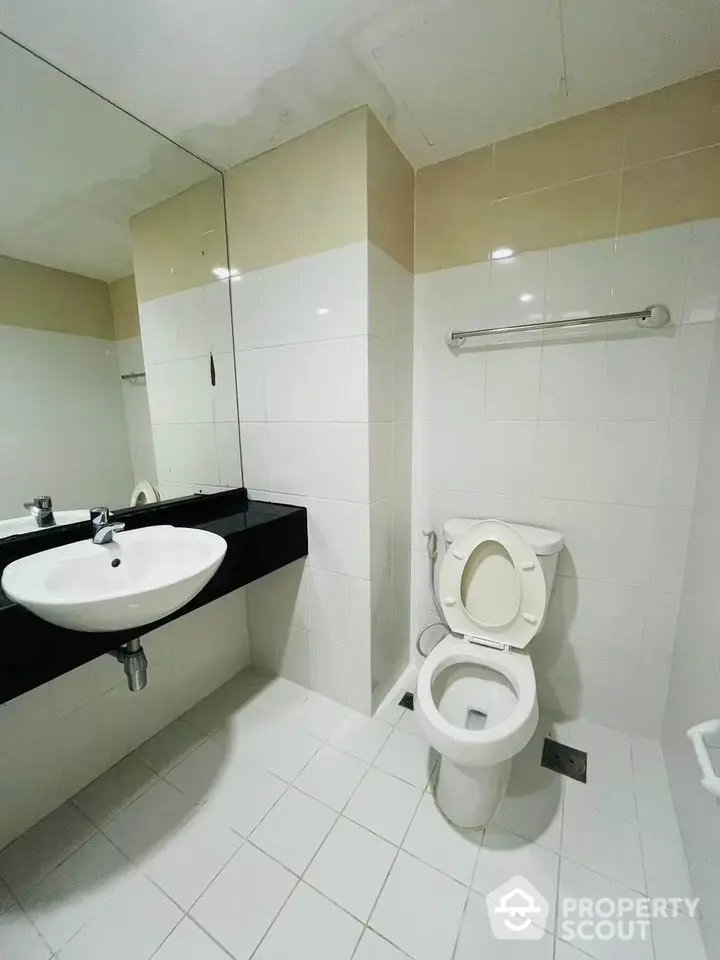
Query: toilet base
(469, 796)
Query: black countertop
(261, 537)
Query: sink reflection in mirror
(117, 380)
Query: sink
(140, 576)
(26, 524)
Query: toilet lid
(492, 586)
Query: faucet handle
(100, 516)
(42, 503)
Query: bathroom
(232, 251)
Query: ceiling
(231, 78)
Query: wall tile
(328, 461)
(680, 463)
(186, 452)
(572, 383)
(464, 181)
(329, 605)
(341, 671)
(676, 190)
(579, 281)
(458, 236)
(702, 300)
(582, 146)
(512, 383)
(651, 268)
(692, 370)
(250, 374)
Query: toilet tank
(547, 544)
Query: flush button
(527, 566)
(449, 601)
(458, 555)
(530, 618)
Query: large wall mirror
(116, 349)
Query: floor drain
(407, 700)
(566, 760)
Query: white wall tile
(186, 452)
(512, 282)
(702, 297)
(250, 384)
(651, 268)
(512, 383)
(579, 281)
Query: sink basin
(141, 576)
(26, 524)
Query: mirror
(117, 374)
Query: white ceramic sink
(82, 586)
(26, 524)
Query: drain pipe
(133, 658)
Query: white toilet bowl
(476, 698)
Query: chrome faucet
(104, 529)
(41, 510)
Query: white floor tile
(189, 942)
(238, 793)
(186, 863)
(105, 797)
(41, 848)
(504, 855)
(351, 867)
(577, 881)
(603, 843)
(564, 951)
(132, 925)
(294, 829)
(419, 910)
(239, 905)
(389, 712)
(312, 925)
(167, 748)
(409, 723)
(675, 937)
(477, 940)
(76, 891)
(361, 737)
(19, 940)
(384, 805)
(435, 840)
(217, 708)
(280, 749)
(150, 821)
(374, 947)
(319, 716)
(407, 756)
(609, 784)
(331, 777)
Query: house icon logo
(517, 910)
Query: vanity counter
(261, 537)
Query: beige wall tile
(460, 237)
(682, 117)
(579, 147)
(178, 243)
(126, 317)
(390, 194)
(676, 190)
(304, 197)
(457, 183)
(42, 298)
(569, 213)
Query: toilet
(476, 699)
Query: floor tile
(105, 797)
(374, 947)
(361, 737)
(149, 821)
(132, 925)
(214, 711)
(477, 939)
(675, 937)
(238, 793)
(351, 866)
(187, 862)
(319, 716)
(294, 829)
(189, 942)
(419, 910)
(605, 844)
(577, 881)
(407, 756)
(609, 784)
(331, 777)
(409, 723)
(76, 891)
(564, 951)
(19, 940)
(504, 855)
(435, 840)
(241, 903)
(40, 849)
(313, 924)
(167, 748)
(533, 803)
(384, 805)
(279, 748)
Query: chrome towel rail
(651, 317)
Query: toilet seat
(493, 744)
(492, 568)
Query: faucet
(41, 510)
(103, 529)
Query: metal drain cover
(407, 700)
(569, 761)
